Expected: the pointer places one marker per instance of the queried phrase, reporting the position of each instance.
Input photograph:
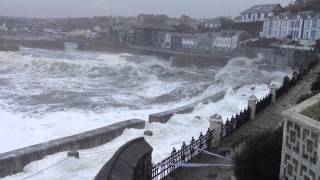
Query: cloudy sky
(76, 8)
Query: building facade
(229, 39)
(298, 26)
(259, 12)
(301, 142)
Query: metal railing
(235, 122)
(185, 154)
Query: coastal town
(294, 26)
(158, 97)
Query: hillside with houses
(294, 26)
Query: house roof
(216, 20)
(230, 33)
(302, 14)
(263, 8)
(183, 28)
(162, 27)
(192, 35)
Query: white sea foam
(47, 95)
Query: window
(314, 23)
(318, 23)
(313, 35)
(259, 16)
(249, 16)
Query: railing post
(215, 126)
(252, 102)
(273, 91)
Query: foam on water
(50, 94)
(165, 137)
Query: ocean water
(45, 95)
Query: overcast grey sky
(76, 8)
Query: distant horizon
(54, 9)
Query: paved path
(269, 118)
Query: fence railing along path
(189, 152)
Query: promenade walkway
(269, 118)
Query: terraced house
(297, 22)
(258, 12)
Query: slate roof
(263, 8)
(229, 33)
(162, 27)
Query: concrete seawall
(41, 44)
(13, 162)
(276, 56)
(164, 117)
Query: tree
(260, 158)
(184, 19)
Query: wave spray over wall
(50, 94)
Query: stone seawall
(164, 117)
(5, 47)
(13, 162)
(277, 56)
(41, 44)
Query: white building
(189, 41)
(299, 26)
(229, 39)
(259, 12)
(215, 22)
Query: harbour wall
(13, 162)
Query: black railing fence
(235, 122)
(263, 103)
(188, 152)
(289, 83)
(185, 154)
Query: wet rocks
(148, 133)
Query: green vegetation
(307, 96)
(315, 89)
(315, 85)
(260, 158)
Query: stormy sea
(46, 94)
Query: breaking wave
(42, 91)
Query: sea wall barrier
(13, 162)
(276, 56)
(41, 44)
(131, 162)
(8, 47)
(165, 116)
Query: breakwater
(13, 162)
(165, 116)
(40, 44)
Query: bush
(260, 158)
(307, 96)
(315, 85)
(317, 46)
(312, 64)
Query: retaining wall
(277, 56)
(164, 117)
(41, 44)
(14, 161)
(131, 162)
